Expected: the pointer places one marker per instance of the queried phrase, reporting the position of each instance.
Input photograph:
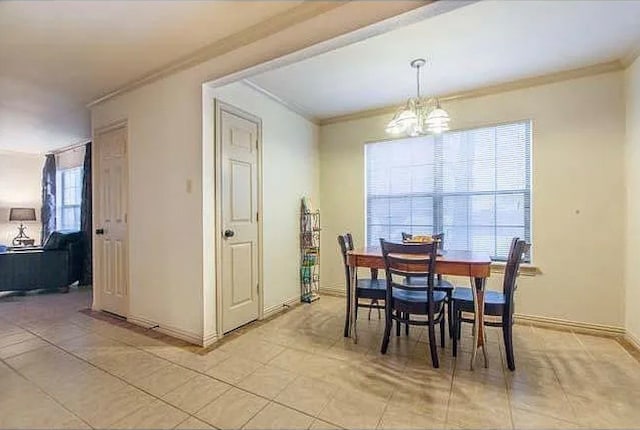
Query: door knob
(229, 233)
(99, 231)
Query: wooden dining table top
(451, 262)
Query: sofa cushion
(59, 240)
(54, 241)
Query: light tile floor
(60, 368)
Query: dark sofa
(55, 266)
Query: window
(472, 185)
(68, 198)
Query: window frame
(438, 195)
(60, 199)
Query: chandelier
(420, 115)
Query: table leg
(353, 329)
(479, 335)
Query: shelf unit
(309, 255)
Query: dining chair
(403, 299)
(496, 304)
(441, 283)
(372, 289)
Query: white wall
(20, 186)
(165, 218)
(632, 271)
(170, 265)
(289, 171)
(578, 192)
(171, 229)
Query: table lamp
(21, 215)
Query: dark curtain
(86, 225)
(48, 211)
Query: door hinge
(258, 288)
(257, 216)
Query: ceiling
(56, 56)
(486, 43)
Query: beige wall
(632, 271)
(20, 186)
(578, 192)
(289, 171)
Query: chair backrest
(409, 260)
(349, 238)
(439, 238)
(516, 252)
(346, 244)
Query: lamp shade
(22, 214)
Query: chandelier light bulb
(415, 118)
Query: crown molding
(288, 105)
(631, 57)
(254, 33)
(21, 153)
(79, 144)
(596, 69)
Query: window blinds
(473, 185)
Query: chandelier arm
(418, 81)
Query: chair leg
(387, 330)
(347, 315)
(450, 312)
(355, 310)
(379, 311)
(398, 324)
(433, 346)
(507, 334)
(459, 318)
(406, 326)
(456, 323)
(373, 302)
(442, 322)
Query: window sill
(525, 269)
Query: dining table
(474, 265)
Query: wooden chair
(497, 304)
(441, 283)
(403, 299)
(372, 289)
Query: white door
(111, 204)
(238, 146)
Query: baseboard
(337, 290)
(568, 324)
(209, 339)
(557, 323)
(178, 333)
(633, 340)
(272, 310)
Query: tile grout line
(161, 358)
(286, 347)
(101, 369)
(36, 386)
(126, 382)
(559, 381)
